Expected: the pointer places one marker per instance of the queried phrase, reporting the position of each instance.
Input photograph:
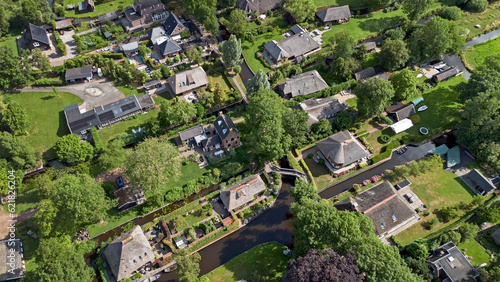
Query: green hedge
(386, 153)
(384, 139)
(98, 144)
(116, 56)
(293, 162)
(309, 174)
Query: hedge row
(309, 174)
(115, 56)
(231, 82)
(387, 153)
(293, 162)
(98, 144)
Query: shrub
(356, 186)
(321, 162)
(310, 156)
(415, 119)
(384, 139)
(185, 34)
(432, 223)
(451, 13)
(476, 6)
(237, 69)
(115, 56)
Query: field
(434, 190)
(99, 9)
(46, 121)
(475, 56)
(267, 259)
(488, 20)
(12, 43)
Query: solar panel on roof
(106, 116)
(82, 123)
(128, 106)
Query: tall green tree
(265, 119)
(40, 60)
(476, 6)
(79, 201)
(435, 37)
(485, 78)
(59, 261)
(113, 156)
(70, 149)
(393, 54)
(176, 112)
(237, 21)
(4, 22)
(319, 226)
(36, 12)
(10, 69)
(15, 117)
(188, 266)
(303, 190)
(151, 164)
(342, 121)
(205, 11)
(258, 82)
(231, 50)
(19, 154)
(301, 10)
(404, 83)
(373, 96)
(45, 217)
(194, 55)
(416, 9)
(295, 124)
(343, 68)
(344, 45)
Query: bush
(451, 13)
(415, 119)
(115, 56)
(384, 139)
(476, 6)
(356, 186)
(432, 223)
(310, 156)
(109, 188)
(237, 69)
(98, 144)
(321, 162)
(185, 34)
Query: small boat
(171, 268)
(421, 109)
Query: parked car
(119, 182)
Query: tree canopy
(258, 82)
(393, 54)
(10, 69)
(416, 9)
(324, 265)
(70, 149)
(205, 11)
(19, 154)
(404, 83)
(188, 266)
(151, 164)
(301, 10)
(231, 50)
(237, 21)
(15, 117)
(373, 96)
(176, 112)
(296, 126)
(303, 190)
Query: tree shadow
(378, 25)
(48, 97)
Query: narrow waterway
(273, 225)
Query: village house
(341, 152)
(258, 6)
(293, 48)
(168, 48)
(63, 24)
(388, 210)
(400, 111)
(215, 138)
(371, 72)
(174, 27)
(81, 73)
(370, 46)
(302, 84)
(242, 192)
(152, 84)
(87, 6)
(130, 49)
(340, 14)
(37, 37)
(80, 121)
(448, 263)
(318, 109)
(157, 35)
(11, 260)
(128, 253)
(129, 197)
(145, 12)
(481, 184)
(112, 16)
(445, 74)
(188, 81)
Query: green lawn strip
(218, 77)
(353, 103)
(12, 43)
(476, 55)
(251, 48)
(320, 173)
(129, 92)
(99, 9)
(267, 259)
(46, 120)
(371, 60)
(476, 251)
(434, 189)
(115, 218)
(27, 201)
(29, 244)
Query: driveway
(93, 93)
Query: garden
(266, 260)
(475, 56)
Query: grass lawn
(250, 49)
(371, 60)
(475, 56)
(218, 77)
(267, 259)
(320, 173)
(129, 92)
(487, 20)
(99, 9)
(46, 121)
(29, 244)
(114, 218)
(27, 201)
(12, 43)
(437, 189)
(366, 26)
(353, 103)
(476, 251)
